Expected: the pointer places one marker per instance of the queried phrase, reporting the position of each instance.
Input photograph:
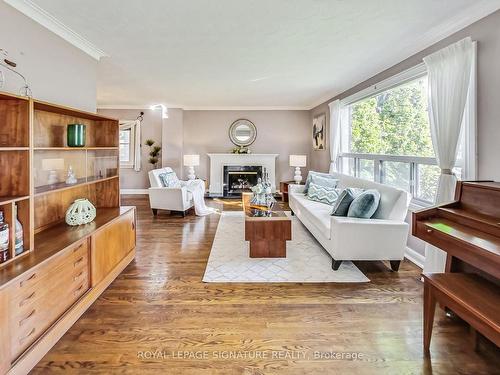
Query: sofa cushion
(323, 194)
(365, 204)
(346, 197)
(324, 181)
(313, 173)
(318, 214)
(393, 202)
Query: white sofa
(383, 237)
(168, 198)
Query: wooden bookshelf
(15, 169)
(33, 130)
(66, 267)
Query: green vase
(76, 135)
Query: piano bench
(473, 298)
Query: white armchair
(174, 199)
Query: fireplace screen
(238, 179)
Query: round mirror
(242, 132)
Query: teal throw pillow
(169, 179)
(322, 194)
(324, 181)
(365, 204)
(313, 173)
(346, 197)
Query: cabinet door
(111, 244)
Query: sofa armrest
(368, 239)
(294, 188)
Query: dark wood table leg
(429, 311)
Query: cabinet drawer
(23, 293)
(41, 273)
(111, 244)
(37, 307)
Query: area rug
(306, 261)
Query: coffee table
(266, 230)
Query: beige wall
(487, 33)
(278, 132)
(151, 128)
(202, 132)
(172, 136)
(57, 71)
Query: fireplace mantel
(218, 161)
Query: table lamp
(191, 161)
(298, 161)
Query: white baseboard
(414, 257)
(133, 191)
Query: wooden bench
(473, 298)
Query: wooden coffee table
(267, 231)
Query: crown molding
(42, 17)
(250, 108)
(208, 108)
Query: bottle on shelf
(19, 244)
(4, 239)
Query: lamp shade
(191, 160)
(52, 164)
(298, 160)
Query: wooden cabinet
(63, 269)
(4, 333)
(111, 244)
(37, 300)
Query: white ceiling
(253, 53)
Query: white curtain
(449, 72)
(135, 125)
(334, 134)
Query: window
(385, 136)
(127, 146)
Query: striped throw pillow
(322, 194)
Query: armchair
(168, 198)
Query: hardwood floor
(158, 314)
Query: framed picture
(319, 132)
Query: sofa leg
(395, 265)
(183, 213)
(155, 211)
(293, 213)
(336, 264)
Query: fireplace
(238, 179)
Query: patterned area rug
(306, 261)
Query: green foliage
(154, 152)
(395, 122)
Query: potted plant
(154, 152)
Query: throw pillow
(169, 179)
(322, 194)
(324, 181)
(313, 173)
(341, 207)
(365, 204)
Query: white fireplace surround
(218, 161)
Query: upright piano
(468, 230)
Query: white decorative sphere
(80, 212)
